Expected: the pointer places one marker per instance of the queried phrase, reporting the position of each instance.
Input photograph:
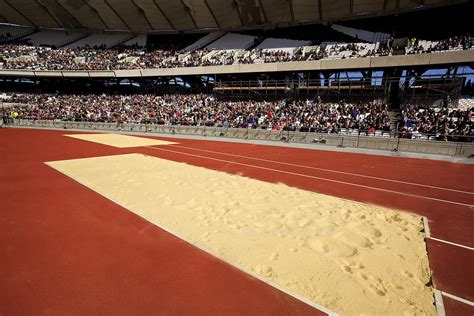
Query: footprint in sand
(331, 246)
(407, 274)
(366, 230)
(353, 239)
(263, 270)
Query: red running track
(450, 219)
(65, 249)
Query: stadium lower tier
(206, 110)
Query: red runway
(60, 254)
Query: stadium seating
(278, 43)
(205, 110)
(232, 41)
(54, 38)
(138, 41)
(367, 36)
(106, 40)
(8, 32)
(203, 41)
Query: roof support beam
(320, 9)
(142, 13)
(212, 13)
(263, 11)
(351, 6)
(96, 13)
(235, 4)
(188, 11)
(20, 13)
(385, 3)
(163, 14)
(290, 3)
(118, 15)
(45, 8)
(64, 8)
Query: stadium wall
(455, 149)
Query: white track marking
(327, 170)
(452, 243)
(439, 303)
(179, 236)
(457, 298)
(426, 227)
(314, 177)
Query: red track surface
(67, 249)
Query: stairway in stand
(395, 116)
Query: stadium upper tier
(94, 52)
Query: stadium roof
(188, 15)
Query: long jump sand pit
(119, 140)
(353, 258)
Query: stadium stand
(54, 38)
(426, 122)
(280, 43)
(367, 36)
(138, 41)
(10, 33)
(101, 40)
(226, 50)
(203, 41)
(232, 41)
(205, 110)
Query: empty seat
(232, 41)
(54, 37)
(101, 39)
(280, 43)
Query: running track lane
(65, 248)
(456, 269)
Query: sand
(120, 141)
(353, 258)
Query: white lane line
(452, 243)
(440, 311)
(457, 298)
(207, 251)
(328, 170)
(314, 177)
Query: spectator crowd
(441, 123)
(205, 110)
(16, 56)
(416, 46)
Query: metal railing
(361, 139)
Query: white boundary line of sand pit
(452, 243)
(457, 298)
(177, 235)
(314, 177)
(326, 170)
(440, 311)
